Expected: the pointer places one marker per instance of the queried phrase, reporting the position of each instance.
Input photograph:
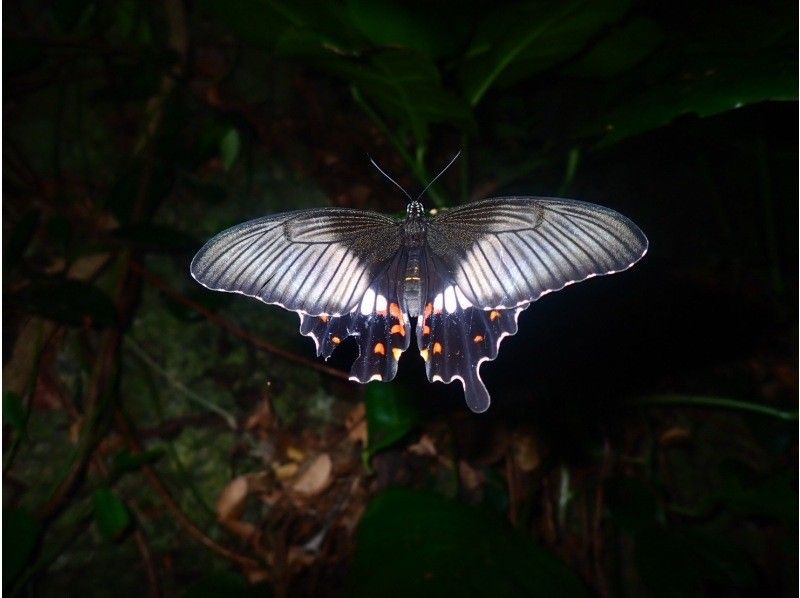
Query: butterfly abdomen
(413, 242)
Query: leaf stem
(714, 403)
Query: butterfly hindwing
(455, 338)
(378, 324)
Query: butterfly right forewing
(509, 251)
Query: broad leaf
(229, 147)
(412, 543)
(415, 25)
(623, 48)
(391, 414)
(405, 86)
(726, 60)
(110, 514)
(527, 38)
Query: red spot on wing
(394, 310)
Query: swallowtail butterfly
(458, 280)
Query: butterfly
(457, 280)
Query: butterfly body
(458, 280)
(414, 228)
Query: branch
(235, 329)
(174, 508)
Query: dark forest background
(162, 439)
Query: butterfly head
(414, 210)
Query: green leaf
(736, 57)
(229, 147)
(14, 411)
(414, 25)
(19, 540)
(405, 86)
(125, 461)
(391, 414)
(110, 514)
(527, 38)
(68, 301)
(266, 22)
(710, 87)
(622, 49)
(679, 400)
(412, 543)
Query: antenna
(449, 164)
(375, 164)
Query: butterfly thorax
(414, 230)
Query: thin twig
(138, 534)
(235, 329)
(513, 488)
(147, 560)
(229, 419)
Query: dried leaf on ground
(674, 435)
(316, 477)
(527, 454)
(356, 423)
(230, 504)
(261, 419)
(285, 471)
(295, 454)
(471, 478)
(424, 447)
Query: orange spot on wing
(494, 315)
(428, 310)
(380, 349)
(437, 348)
(324, 318)
(426, 329)
(478, 338)
(394, 310)
(398, 329)
(336, 340)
